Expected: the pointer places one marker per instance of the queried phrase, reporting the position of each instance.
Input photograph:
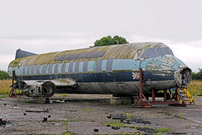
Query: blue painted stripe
(101, 77)
(125, 64)
(86, 66)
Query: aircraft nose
(183, 76)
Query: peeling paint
(114, 72)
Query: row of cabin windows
(62, 68)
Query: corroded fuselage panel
(109, 69)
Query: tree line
(197, 76)
(4, 75)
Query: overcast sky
(42, 26)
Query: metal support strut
(12, 92)
(148, 104)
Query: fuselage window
(109, 65)
(85, 67)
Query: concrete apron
(123, 100)
(41, 100)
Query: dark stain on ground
(2, 122)
(123, 119)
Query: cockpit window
(155, 52)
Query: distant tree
(194, 76)
(110, 41)
(4, 75)
(197, 76)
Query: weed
(66, 123)
(187, 125)
(135, 129)
(166, 112)
(68, 120)
(163, 130)
(128, 116)
(68, 133)
(181, 115)
(88, 110)
(64, 95)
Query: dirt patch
(93, 114)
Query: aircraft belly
(160, 85)
(124, 88)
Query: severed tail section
(20, 53)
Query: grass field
(195, 87)
(5, 86)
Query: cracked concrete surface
(87, 114)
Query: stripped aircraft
(110, 69)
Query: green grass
(195, 88)
(180, 115)
(64, 95)
(128, 117)
(88, 110)
(163, 130)
(3, 95)
(114, 124)
(67, 133)
(166, 112)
